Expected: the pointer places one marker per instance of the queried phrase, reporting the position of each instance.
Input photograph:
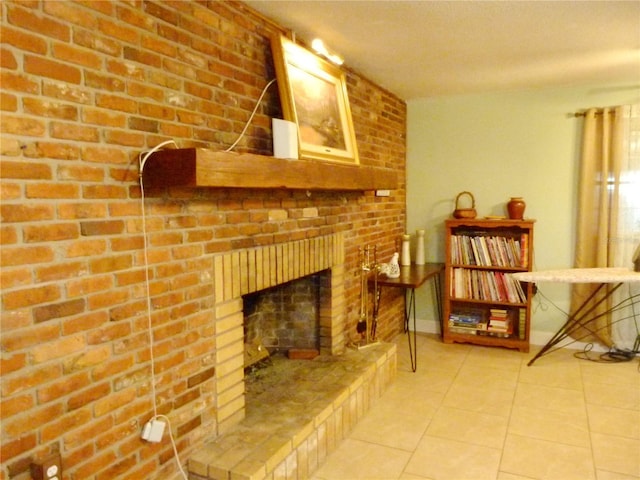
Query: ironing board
(582, 317)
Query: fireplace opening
(283, 320)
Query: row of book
(490, 251)
(485, 285)
(500, 322)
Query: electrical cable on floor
(614, 355)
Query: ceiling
(428, 48)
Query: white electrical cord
(142, 161)
(255, 109)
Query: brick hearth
(289, 428)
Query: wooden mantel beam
(201, 167)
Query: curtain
(608, 220)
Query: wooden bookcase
(483, 305)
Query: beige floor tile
(495, 377)
(496, 358)
(616, 454)
(620, 395)
(409, 476)
(561, 427)
(443, 459)
(550, 398)
(470, 427)
(611, 374)
(604, 475)
(545, 460)
(614, 421)
(489, 400)
(553, 373)
(356, 459)
(511, 476)
(473, 413)
(395, 425)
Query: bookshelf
(483, 304)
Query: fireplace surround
(288, 431)
(242, 272)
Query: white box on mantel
(285, 138)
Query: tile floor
(472, 413)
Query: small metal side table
(411, 277)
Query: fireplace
(240, 273)
(283, 320)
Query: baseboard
(537, 337)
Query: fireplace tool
(366, 324)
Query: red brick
(23, 40)
(86, 248)
(103, 82)
(32, 378)
(10, 191)
(160, 45)
(108, 227)
(104, 191)
(72, 93)
(109, 333)
(70, 12)
(12, 363)
(35, 23)
(129, 139)
(70, 384)
(52, 190)
(114, 401)
(51, 69)
(82, 210)
(117, 30)
(104, 118)
(14, 448)
(50, 233)
(88, 396)
(129, 310)
(62, 424)
(58, 310)
(45, 108)
(89, 358)
(157, 111)
(59, 271)
(22, 126)
(85, 285)
(25, 170)
(113, 367)
(108, 299)
(57, 150)
(26, 213)
(17, 82)
(25, 255)
(30, 296)
(8, 61)
(99, 460)
(75, 132)
(122, 244)
(83, 323)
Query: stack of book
(467, 322)
(499, 322)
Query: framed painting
(313, 93)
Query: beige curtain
(598, 199)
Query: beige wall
(500, 145)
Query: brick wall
(86, 86)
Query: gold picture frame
(313, 94)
